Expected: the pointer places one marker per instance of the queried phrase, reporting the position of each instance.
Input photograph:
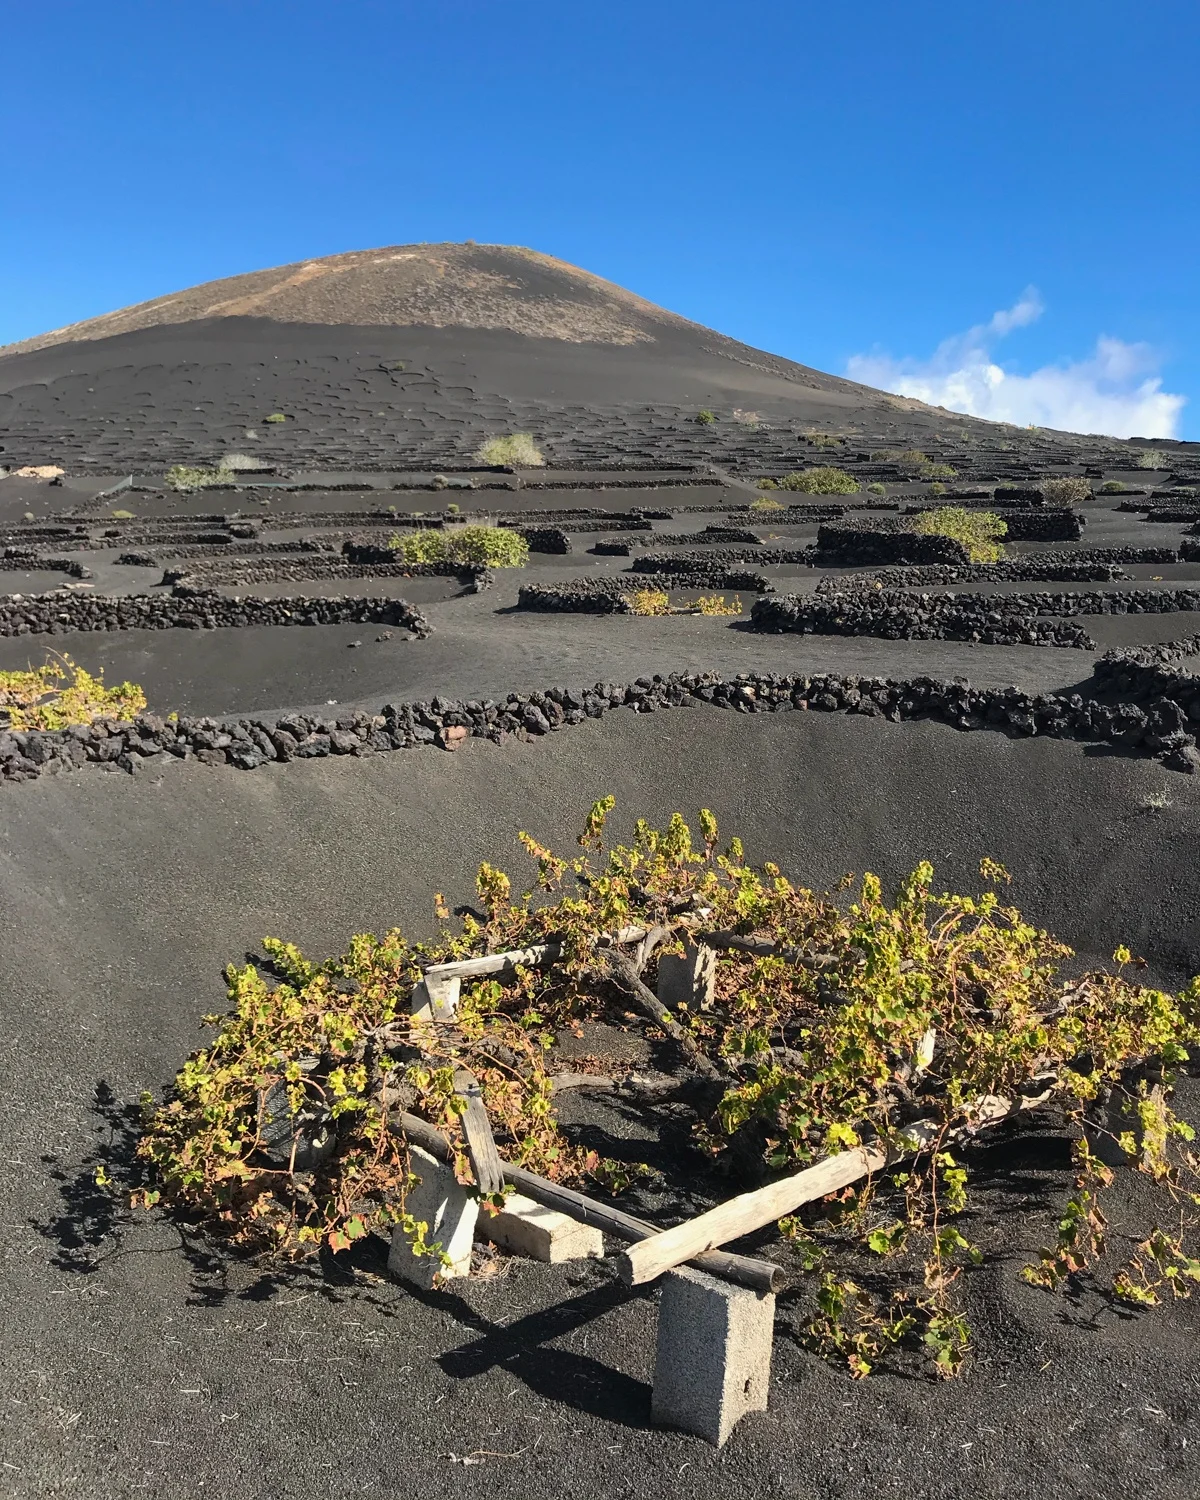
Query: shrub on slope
(496, 546)
(188, 477)
(822, 480)
(978, 530)
(60, 694)
(518, 451)
(1067, 490)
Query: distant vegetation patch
(939, 471)
(186, 477)
(705, 417)
(276, 416)
(60, 694)
(823, 480)
(715, 604)
(904, 458)
(979, 531)
(494, 545)
(1152, 458)
(649, 602)
(1066, 491)
(1112, 487)
(517, 451)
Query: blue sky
(862, 186)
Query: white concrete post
(440, 1201)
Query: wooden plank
(494, 963)
(761, 1275)
(530, 958)
(765, 948)
(745, 1270)
(650, 1258)
(626, 977)
(435, 998)
(477, 1129)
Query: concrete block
(713, 1363)
(688, 980)
(442, 1203)
(528, 1228)
(436, 998)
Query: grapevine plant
(831, 1023)
(60, 693)
(496, 546)
(979, 531)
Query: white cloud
(1027, 309)
(1116, 390)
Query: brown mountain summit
(432, 286)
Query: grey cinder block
(440, 1201)
(713, 1363)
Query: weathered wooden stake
(745, 1270)
(649, 1258)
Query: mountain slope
(436, 286)
(407, 356)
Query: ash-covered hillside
(409, 356)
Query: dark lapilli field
(877, 701)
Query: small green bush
(823, 480)
(1066, 491)
(1152, 458)
(517, 451)
(764, 506)
(937, 488)
(61, 693)
(939, 471)
(904, 458)
(118, 515)
(495, 546)
(825, 440)
(715, 604)
(1112, 487)
(276, 416)
(648, 602)
(978, 530)
(705, 417)
(186, 477)
(767, 484)
(877, 489)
